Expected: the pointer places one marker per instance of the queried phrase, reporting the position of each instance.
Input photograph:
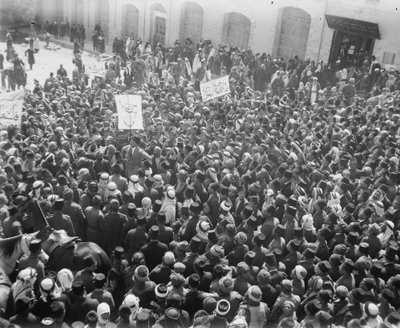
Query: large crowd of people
(276, 205)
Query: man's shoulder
(131, 232)
(167, 229)
(123, 216)
(120, 179)
(235, 296)
(162, 245)
(66, 217)
(85, 195)
(24, 258)
(135, 231)
(72, 205)
(90, 302)
(75, 205)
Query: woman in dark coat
(31, 57)
(260, 78)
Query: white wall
(263, 16)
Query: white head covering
(379, 208)
(300, 272)
(239, 321)
(82, 173)
(135, 187)
(131, 301)
(334, 198)
(103, 308)
(303, 201)
(337, 210)
(65, 277)
(384, 237)
(112, 190)
(24, 284)
(308, 222)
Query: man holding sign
(134, 155)
(129, 108)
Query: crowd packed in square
(277, 205)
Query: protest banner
(129, 109)
(215, 88)
(11, 108)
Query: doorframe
(225, 28)
(157, 13)
(125, 16)
(184, 10)
(337, 38)
(278, 29)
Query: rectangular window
(388, 58)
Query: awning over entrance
(353, 26)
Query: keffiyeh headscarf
(65, 277)
(24, 283)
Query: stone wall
(263, 15)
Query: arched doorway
(78, 14)
(131, 21)
(59, 12)
(39, 15)
(39, 8)
(236, 30)
(293, 33)
(102, 10)
(191, 22)
(158, 24)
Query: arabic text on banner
(11, 108)
(129, 108)
(215, 88)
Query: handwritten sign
(11, 108)
(215, 88)
(129, 109)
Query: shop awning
(353, 26)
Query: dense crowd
(275, 205)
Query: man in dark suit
(162, 272)
(113, 224)
(287, 189)
(74, 211)
(81, 304)
(213, 202)
(188, 229)
(241, 202)
(192, 255)
(136, 238)
(59, 221)
(166, 235)
(154, 251)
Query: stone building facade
(316, 29)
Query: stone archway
(130, 21)
(293, 33)
(191, 22)
(78, 12)
(236, 30)
(102, 18)
(158, 24)
(59, 12)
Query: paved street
(49, 60)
